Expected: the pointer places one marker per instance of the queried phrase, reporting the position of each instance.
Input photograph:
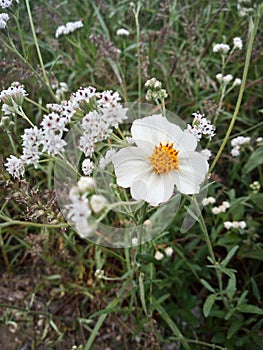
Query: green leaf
(234, 327)
(207, 285)
(146, 257)
(254, 160)
(257, 254)
(229, 256)
(142, 293)
(209, 304)
(231, 287)
(251, 309)
(258, 200)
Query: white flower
(219, 77)
(4, 17)
(169, 251)
(237, 82)
(206, 153)
(86, 184)
(228, 225)
(14, 95)
(240, 140)
(104, 161)
(235, 152)
(99, 273)
(158, 255)
(227, 78)
(224, 48)
(238, 43)
(53, 143)
(6, 3)
(242, 225)
(201, 127)
(209, 200)
(221, 209)
(165, 156)
(134, 241)
(123, 32)
(87, 166)
(97, 203)
(259, 139)
(15, 166)
(68, 28)
(108, 99)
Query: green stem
(136, 15)
(253, 27)
(36, 42)
(210, 249)
(38, 49)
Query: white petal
(193, 169)
(156, 129)
(153, 188)
(129, 163)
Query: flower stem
(38, 48)
(253, 27)
(136, 15)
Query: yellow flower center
(164, 158)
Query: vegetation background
(49, 295)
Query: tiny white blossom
(224, 48)
(134, 241)
(86, 184)
(201, 127)
(209, 200)
(238, 43)
(206, 153)
(169, 251)
(104, 161)
(53, 143)
(99, 273)
(87, 166)
(242, 225)
(227, 78)
(15, 166)
(237, 82)
(4, 17)
(68, 28)
(235, 152)
(259, 139)
(240, 140)
(97, 203)
(158, 255)
(123, 32)
(6, 3)
(108, 99)
(228, 225)
(219, 77)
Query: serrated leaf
(210, 300)
(251, 309)
(254, 160)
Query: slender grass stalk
(45, 77)
(253, 27)
(138, 42)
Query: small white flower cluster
(201, 127)
(208, 200)
(6, 3)
(14, 95)
(123, 32)
(206, 153)
(104, 161)
(97, 125)
(221, 209)
(154, 90)
(49, 138)
(61, 88)
(245, 7)
(159, 255)
(83, 203)
(237, 142)
(68, 28)
(225, 48)
(227, 78)
(235, 224)
(4, 17)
